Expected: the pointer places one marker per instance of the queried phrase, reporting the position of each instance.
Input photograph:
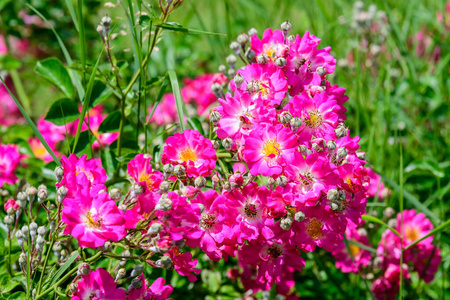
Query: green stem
(45, 265)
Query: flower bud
(334, 206)
(23, 260)
(333, 195)
(361, 155)
(280, 62)
(295, 123)
(42, 231)
(216, 144)
(107, 247)
(235, 47)
(165, 262)
(179, 170)
(155, 228)
(200, 182)
(73, 287)
(340, 131)
(285, 117)
(262, 58)
(250, 55)
(342, 152)
(167, 170)
(331, 145)
(164, 204)
(21, 196)
(282, 180)
(291, 38)
(138, 269)
(19, 234)
(59, 173)
(388, 212)
(217, 89)
(222, 69)
(242, 39)
(392, 223)
(62, 192)
(227, 186)
(42, 196)
(299, 216)
(164, 186)
(121, 273)
(137, 189)
(31, 191)
(84, 269)
(315, 147)
(8, 220)
(252, 32)
(238, 80)
(362, 231)
(136, 283)
(40, 240)
(33, 229)
(271, 182)
(321, 71)
(227, 143)
(115, 194)
(286, 27)
(214, 117)
(99, 29)
(286, 223)
(231, 60)
(25, 231)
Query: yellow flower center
(88, 174)
(271, 149)
(349, 182)
(353, 249)
(148, 180)
(91, 223)
(187, 155)
(263, 88)
(314, 228)
(315, 119)
(412, 233)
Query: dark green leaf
(100, 93)
(83, 142)
(54, 71)
(62, 111)
(144, 22)
(112, 123)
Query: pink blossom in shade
(9, 112)
(140, 169)
(165, 112)
(272, 258)
(11, 203)
(359, 257)
(73, 166)
(266, 82)
(198, 91)
(191, 150)
(304, 59)
(383, 289)
(240, 114)
(214, 230)
(267, 148)
(310, 177)
(426, 261)
(98, 285)
(157, 291)
(415, 226)
(272, 44)
(52, 133)
(91, 216)
(245, 213)
(184, 264)
(9, 161)
(39, 150)
(319, 228)
(376, 189)
(318, 114)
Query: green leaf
(173, 26)
(196, 124)
(54, 71)
(62, 111)
(112, 122)
(64, 268)
(32, 125)
(144, 22)
(100, 93)
(432, 232)
(9, 62)
(17, 295)
(376, 220)
(178, 99)
(82, 143)
(427, 166)
(7, 284)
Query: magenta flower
(11, 203)
(140, 169)
(165, 112)
(268, 148)
(415, 226)
(98, 285)
(359, 257)
(9, 161)
(266, 82)
(9, 112)
(184, 264)
(311, 176)
(272, 44)
(376, 187)
(91, 216)
(157, 291)
(191, 150)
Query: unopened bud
(388, 212)
(291, 38)
(31, 191)
(231, 60)
(42, 196)
(217, 89)
(115, 194)
(321, 71)
(84, 269)
(282, 180)
(285, 117)
(164, 204)
(286, 223)
(164, 186)
(214, 116)
(121, 273)
(137, 189)
(392, 223)
(262, 58)
(179, 170)
(271, 182)
(200, 182)
(362, 231)
(299, 216)
(25, 230)
(286, 27)
(216, 144)
(22, 260)
(155, 228)
(295, 123)
(222, 69)
(40, 240)
(340, 131)
(227, 186)
(8, 220)
(227, 143)
(238, 80)
(21, 196)
(73, 287)
(107, 247)
(280, 62)
(137, 271)
(250, 55)
(332, 195)
(100, 29)
(136, 283)
(242, 39)
(59, 173)
(331, 145)
(342, 152)
(334, 206)
(235, 47)
(33, 229)
(62, 193)
(168, 169)
(106, 21)
(252, 32)
(361, 155)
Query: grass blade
(376, 220)
(86, 101)
(73, 15)
(177, 27)
(64, 268)
(82, 38)
(32, 125)
(160, 96)
(178, 99)
(432, 232)
(362, 246)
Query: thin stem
(45, 265)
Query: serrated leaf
(62, 111)
(54, 71)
